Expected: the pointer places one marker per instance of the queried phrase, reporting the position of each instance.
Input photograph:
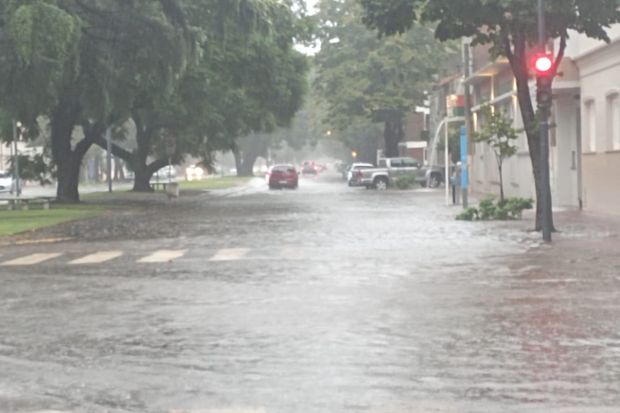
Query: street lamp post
(17, 131)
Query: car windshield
(5, 174)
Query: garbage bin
(172, 190)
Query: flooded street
(324, 299)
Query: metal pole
(447, 160)
(16, 160)
(108, 137)
(543, 108)
(468, 125)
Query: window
(589, 144)
(410, 163)
(613, 121)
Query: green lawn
(214, 183)
(14, 222)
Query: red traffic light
(543, 64)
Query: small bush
(405, 182)
(509, 209)
(470, 214)
(487, 210)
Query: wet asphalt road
(325, 299)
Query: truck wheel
(381, 184)
(435, 181)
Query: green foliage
(363, 78)
(488, 210)
(470, 214)
(405, 182)
(490, 21)
(498, 133)
(33, 168)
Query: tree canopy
(362, 76)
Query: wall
(600, 79)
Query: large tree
(510, 28)
(78, 62)
(248, 78)
(363, 77)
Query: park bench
(14, 203)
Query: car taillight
(358, 174)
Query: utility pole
(544, 69)
(465, 142)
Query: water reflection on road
(346, 300)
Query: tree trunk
(142, 179)
(64, 119)
(501, 183)
(519, 64)
(393, 134)
(247, 165)
(238, 159)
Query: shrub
(470, 214)
(508, 209)
(487, 210)
(405, 182)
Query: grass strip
(214, 183)
(15, 222)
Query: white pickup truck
(390, 169)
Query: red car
(283, 176)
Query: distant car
(282, 176)
(309, 169)
(353, 177)
(7, 183)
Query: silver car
(7, 184)
(353, 175)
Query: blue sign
(464, 158)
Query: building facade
(599, 77)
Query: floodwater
(325, 299)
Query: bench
(155, 186)
(24, 204)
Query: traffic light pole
(544, 105)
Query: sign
(464, 158)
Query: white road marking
(163, 256)
(291, 253)
(30, 260)
(230, 254)
(97, 258)
(229, 410)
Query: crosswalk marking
(229, 410)
(291, 253)
(230, 254)
(162, 256)
(30, 260)
(97, 258)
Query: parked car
(393, 168)
(282, 176)
(353, 175)
(7, 183)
